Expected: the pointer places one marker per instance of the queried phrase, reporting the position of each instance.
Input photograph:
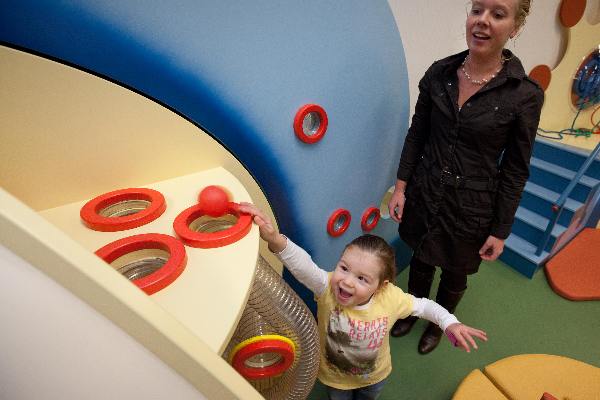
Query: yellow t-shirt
(355, 350)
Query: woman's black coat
(466, 169)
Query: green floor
(520, 316)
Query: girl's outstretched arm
(459, 334)
(297, 261)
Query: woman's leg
(420, 277)
(450, 291)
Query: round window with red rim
(151, 261)
(310, 123)
(198, 229)
(338, 222)
(370, 218)
(123, 209)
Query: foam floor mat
(574, 272)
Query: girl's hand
(464, 336)
(268, 232)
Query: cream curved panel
(66, 261)
(44, 324)
(67, 136)
(210, 294)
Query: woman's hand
(491, 249)
(268, 232)
(463, 336)
(396, 203)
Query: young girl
(356, 305)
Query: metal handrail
(559, 205)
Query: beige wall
(433, 29)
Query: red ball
(214, 201)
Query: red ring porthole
(310, 123)
(282, 353)
(123, 209)
(338, 222)
(206, 240)
(162, 276)
(370, 218)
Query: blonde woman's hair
(523, 9)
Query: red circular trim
(571, 12)
(370, 212)
(542, 75)
(337, 214)
(214, 239)
(90, 211)
(160, 278)
(299, 119)
(263, 346)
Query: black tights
(452, 281)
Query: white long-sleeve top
(301, 265)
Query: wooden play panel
(529, 376)
(574, 272)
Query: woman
(465, 159)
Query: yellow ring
(260, 338)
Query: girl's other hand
(465, 336)
(268, 232)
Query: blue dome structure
(241, 71)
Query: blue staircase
(553, 166)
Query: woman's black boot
(419, 285)
(433, 334)
(403, 326)
(430, 339)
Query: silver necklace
(483, 80)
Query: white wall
(54, 346)
(433, 29)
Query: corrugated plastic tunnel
(274, 315)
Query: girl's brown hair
(377, 246)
